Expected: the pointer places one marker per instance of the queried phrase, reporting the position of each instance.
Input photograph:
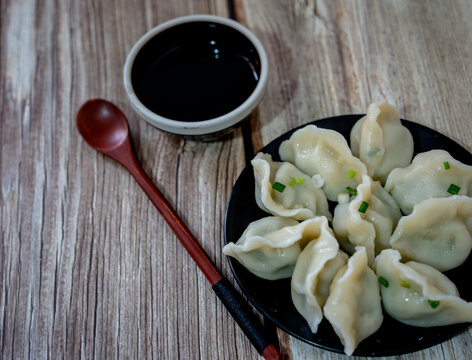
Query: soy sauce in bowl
(196, 71)
(197, 76)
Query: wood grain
(335, 57)
(87, 267)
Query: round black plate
(272, 298)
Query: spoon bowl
(102, 125)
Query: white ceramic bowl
(205, 129)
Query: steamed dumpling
(417, 294)
(430, 175)
(381, 141)
(372, 228)
(438, 232)
(301, 199)
(353, 306)
(324, 152)
(314, 271)
(269, 247)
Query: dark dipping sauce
(195, 71)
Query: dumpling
(438, 232)
(353, 306)
(368, 220)
(381, 141)
(314, 271)
(432, 174)
(269, 247)
(417, 294)
(324, 152)
(298, 196)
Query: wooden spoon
(105, 128)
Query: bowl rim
(197, 127)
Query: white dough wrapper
(418, 294)
(371, 229)
(353, 306)
(269, 247)
(301, 198)
(314, 271)
(381, 141)
(325, 152)
(427, 178)
(438, 232)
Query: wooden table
(88, 269)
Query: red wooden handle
(178, 227)
(223, 289)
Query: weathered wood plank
(88, 269)
(335, 57)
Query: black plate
(272, 298)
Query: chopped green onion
(433, 303)
(351, 174)
(453, 189)
(446, 165)
(383, 281)
(278, 186)
(351, 191)
(294, 181)
(363, 207)
(330, 224)
(405, 284)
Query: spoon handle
(232, 300)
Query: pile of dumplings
(399, 223)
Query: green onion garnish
(433, 303)
(363, 207)
(405, 284)
(351, 174)
(453, 189)
(351, 191)
(292, 182)
(383, 281)
(446, 165)
(278, 186)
